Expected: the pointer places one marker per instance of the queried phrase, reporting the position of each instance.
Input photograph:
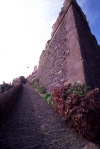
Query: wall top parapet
(64, 9)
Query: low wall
(7, 100)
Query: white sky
(25, 27)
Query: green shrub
(42, 89)
(48, 97)
(35, 80)
(79, 89)
(39, 87)
(36, 84)
(4, 87)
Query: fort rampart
(72, 54)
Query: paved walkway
(33, 124)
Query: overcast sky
(26, 25)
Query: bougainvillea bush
(80, 108)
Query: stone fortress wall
(72, 54)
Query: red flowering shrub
(81, 112)
(59, 96)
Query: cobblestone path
(33, 124)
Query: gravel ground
(33, 124)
